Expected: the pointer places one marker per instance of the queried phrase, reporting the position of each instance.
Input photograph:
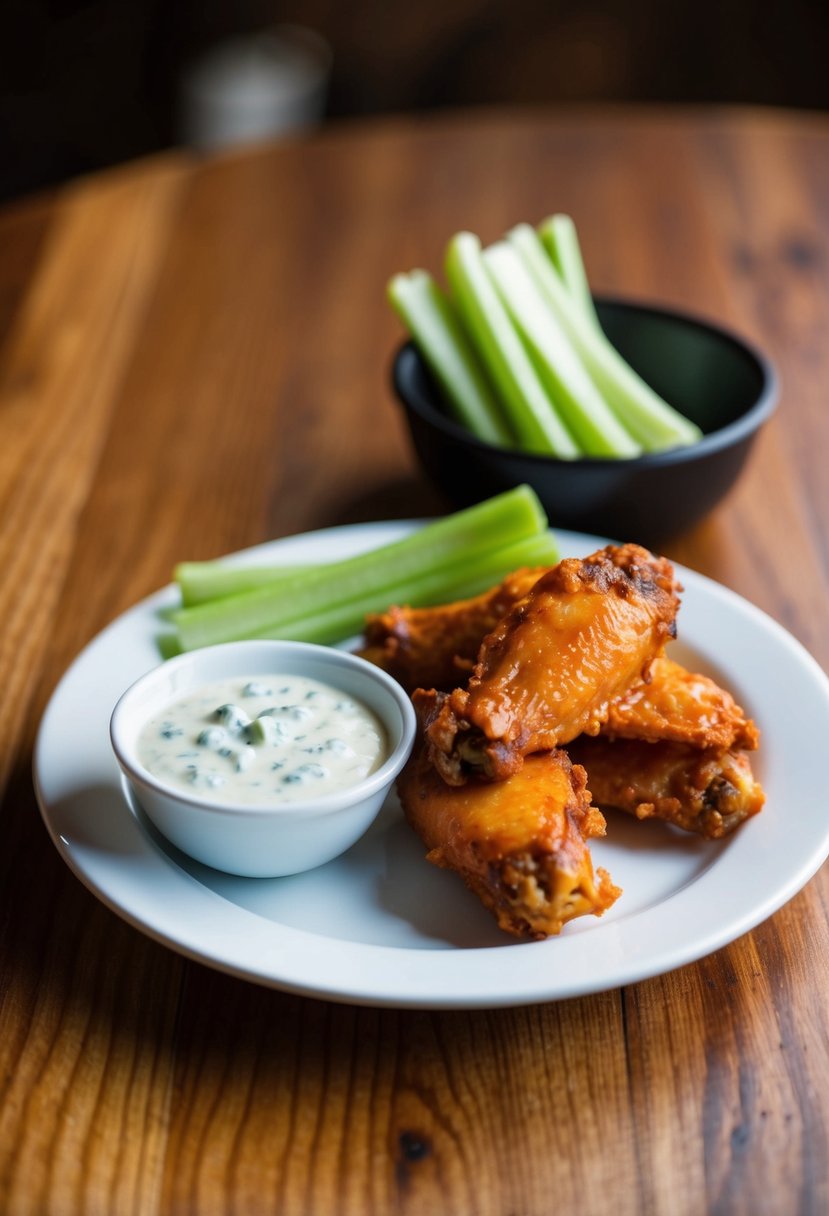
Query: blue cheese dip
(263, 740)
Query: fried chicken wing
(548, 671)
(437, 647)
(520, 844)
(680, 706)
(710, 791)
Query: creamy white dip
(263, 740)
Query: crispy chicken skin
(709, 791)
(677, 705)
(437, 647)
(519, 845)
(548, 670)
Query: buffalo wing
(550, 668)
(680, 706)
(709, 791)
(520, 844)
(437, 647)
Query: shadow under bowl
(712, 376)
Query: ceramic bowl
(262, 841)
(716, 378)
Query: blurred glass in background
(256, 87)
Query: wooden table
(195, 358)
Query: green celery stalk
(463, 536)
(653, 422)
(168, 645)
(200, 582)
(559, 236)
(441, 340)
(590, 420)
(525, 402)
(340, 621)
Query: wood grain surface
(195, 358)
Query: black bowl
(712, 376)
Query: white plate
(381, 926)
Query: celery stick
(168, 645)
(335, 623)
(558, 233)
(651, 421)
(200, 582)
(438, 335)
(594, 425)
(525, 402)
(464, 536)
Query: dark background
(84, 85)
